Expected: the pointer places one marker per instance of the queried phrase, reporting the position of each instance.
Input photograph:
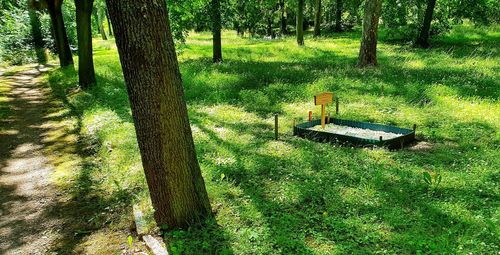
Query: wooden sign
(323, 99)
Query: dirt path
(27, 196)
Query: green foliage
(295, 196)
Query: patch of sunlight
(97, 120)
(57, 114)
(416, 64)
(455, 210)
(198, 134)
(363, 195)
(229, 114)
(322, 246)
(278, 149)
(220, 158)
(468, 110)
(380, 156)
(9, 132)
(105, 242)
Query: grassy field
(294, 196)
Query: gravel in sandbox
(356, 132)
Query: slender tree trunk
(368, 50)
(151, 71)
(283, 20)
(60, 36)
(100, 20)
(338, 16)
(36, 32)
(86, 74)
(216, 31)
(423, 37)
(110, 29)
(317, 18)
(300, 23)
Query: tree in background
(86, 74)
(216, 30)
(59, 31)
(423, 36)
(36, 31)
(100, 15)
(154, 85)
(317, 18)
(368, 50)
(338, 16)
(283, 18)
(300, 22)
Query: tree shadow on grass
(375, 205)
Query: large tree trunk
(216, 31)
(317, 18)
(36, 32)
(300, 23)
(338, 16)
(423, 37)
(154, 85)
(60, 36)
(368, 50)
(283, 20)
(86, 74)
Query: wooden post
(310, 116)
(337, 106)
(276, 127)
(323, 99)
(381, 138)
(414, 127)
(328, 119)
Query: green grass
(294, 196)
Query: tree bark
(216, 31)
(60, 36)
(283, 20)
(423, 37)
(36, 32)
(300, 23)
(317, 18)
(151, 71)
(338, 16)
(368, 50)
(86, 74)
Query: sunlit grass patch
(294, 196)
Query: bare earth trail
(27, 197)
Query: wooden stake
(276, 127)
(310, 116)
(337, 106)
(323, 113)
(414, 127)
(328, 119)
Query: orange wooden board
(323, 99)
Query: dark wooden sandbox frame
(408, 135)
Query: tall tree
(86, 74)
(100, 12)
(59, 30)
(317, 18)
(283, 19)
(338, 16)
(216, 30)
(423, 36)
(300, 22)
(368, 50)
(110, 29)
(36, 32)
(151, 71)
